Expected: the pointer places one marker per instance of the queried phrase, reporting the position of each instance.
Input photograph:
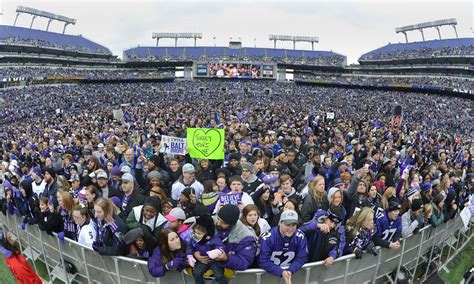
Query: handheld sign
(230, 198)
(173, 145)
(205, 143)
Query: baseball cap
(335, 214)
(289, 217)
(127, 177)
(188, 168)
(417, 205)
(102, 174)
(393, 204)
(125, 169)
(176, 214)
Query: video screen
(201, 70)
(234, 70)
(267, 71)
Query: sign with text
(205, 143)
(173, 145)
(230, 198)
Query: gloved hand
(191, 260)
(472, 206)
(22, 226)
(372, 249)
(6, 253)
(17, 212)
(16, 193)
(96, 245)
(174, 264)
(215, 253)
(61, 237)
(358, 253)
(420, 217)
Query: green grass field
(5, 276)
(459, 265)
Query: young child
(140, 242)
(48, 219)
(204, 243)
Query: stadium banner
(267, 71)
(118, 114)
(330, 115)
(201, 69)
(173, 145)
(230, 198)
(205, 143)
(234, 70)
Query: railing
(94, 268)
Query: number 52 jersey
(277, 251)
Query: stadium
(193, 133)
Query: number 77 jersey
(277, 251)
(388, 230)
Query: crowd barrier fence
(94, 268)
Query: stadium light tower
(38, 13)
(434, 24)
(175, 36)
(294, 39)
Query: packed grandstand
(327, 163)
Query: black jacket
(112, 242)
(136, 199)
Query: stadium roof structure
(200, 52)
(434, 44)
(40, 38)
(294, 39)
(175, 36)
(421, 26)
(38, 13)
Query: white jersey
(245, 200)
(86, 234)
(38, 189)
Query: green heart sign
(205, 143)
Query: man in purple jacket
(238, 240)
(283, 246)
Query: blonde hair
(358, 219)
(427, 209)
(332, 197)
(68, 201)
(312, 186)
(108, 207)
(389, 192)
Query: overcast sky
(348, 27)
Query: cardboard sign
(118, 114)
(231, 198)
(173, 145)
(205, 143)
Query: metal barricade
(94, 268)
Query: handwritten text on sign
(205, 143)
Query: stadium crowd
(49, 44)
(446, 82)
(334, 172)
(31, 72)
(420, 52)
(335, 60)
